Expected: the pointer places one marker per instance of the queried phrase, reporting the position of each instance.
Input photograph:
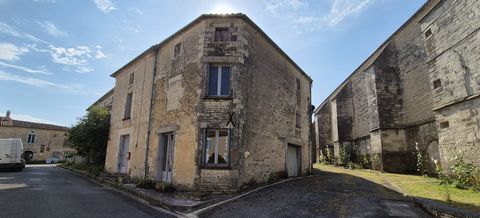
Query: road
(49, 191)
(323, 195)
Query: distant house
(417, 95)
(213, 107)
(105, 101)
(40, 140)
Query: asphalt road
(49, 191)
(323, 195)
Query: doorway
(165, 157)
(123, 154)
(293, 160)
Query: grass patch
(416, 186)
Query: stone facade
(105, 101)
(265, 111)
(418, 92)
(41, 140)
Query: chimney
(8, 114)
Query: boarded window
(177, 50)
(218, 81)
(128, 106)
(222, 34)
(437, 83)
(217, 147)
(298, 92)
(298, 120)
(428, 33)
(131, 79)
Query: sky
(56, 56)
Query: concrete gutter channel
(431, 207)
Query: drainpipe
(150, 112)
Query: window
(177, 49)
(217, 147)
(298, 92)
(298, 120)
(128, 106)
(219, 81)
(222, 34)
(437, 83)
(131, 79)
(42, 148)
(31, 137)
(428, 33)
(444, 125)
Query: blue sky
(56, 56)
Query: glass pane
(225, 81)
(210, 152)
(223, 147)
(212, 80)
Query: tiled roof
(26, 124)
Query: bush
(366, 163)
(344, 158)
(463, 175)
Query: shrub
(344, 158)
(366, 163)
(465, 174)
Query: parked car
(11, 151)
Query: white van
(11, 151)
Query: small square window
(222, 34)
(437, 84)
(216, 149)
(444, 125)
(218, 81)
(177, 50)
(428, 33)
(42, 148)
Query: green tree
(90, 135)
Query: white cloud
(342, 9)
(52, 29)
(29, 118)
(42, 69)
(30, 81)
(99, 55)
(11, 52)
(276, 6)
(9, 30)
(70, 56)
(83, 69)
(105, 5)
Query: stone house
(418, 92)
(213, 107)
(40, 141)
(105, 101)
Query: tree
(90, 135)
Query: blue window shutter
(225, 81)
(212, 80)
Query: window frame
(131, 79)
(219, 38)
(177, 49)
(31, 137)
(204, 158)
(219, 83)
(125, 115)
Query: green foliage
(344, 158)
(91, 169)
(376, 160)
(366, 163)
(90, 135)
(420, 166)
(463, 175)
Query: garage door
(293, 160)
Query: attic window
(131, 79)
(222, 34)
(444, 125)
(428, 33)
(437, 84)
(177, 50)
